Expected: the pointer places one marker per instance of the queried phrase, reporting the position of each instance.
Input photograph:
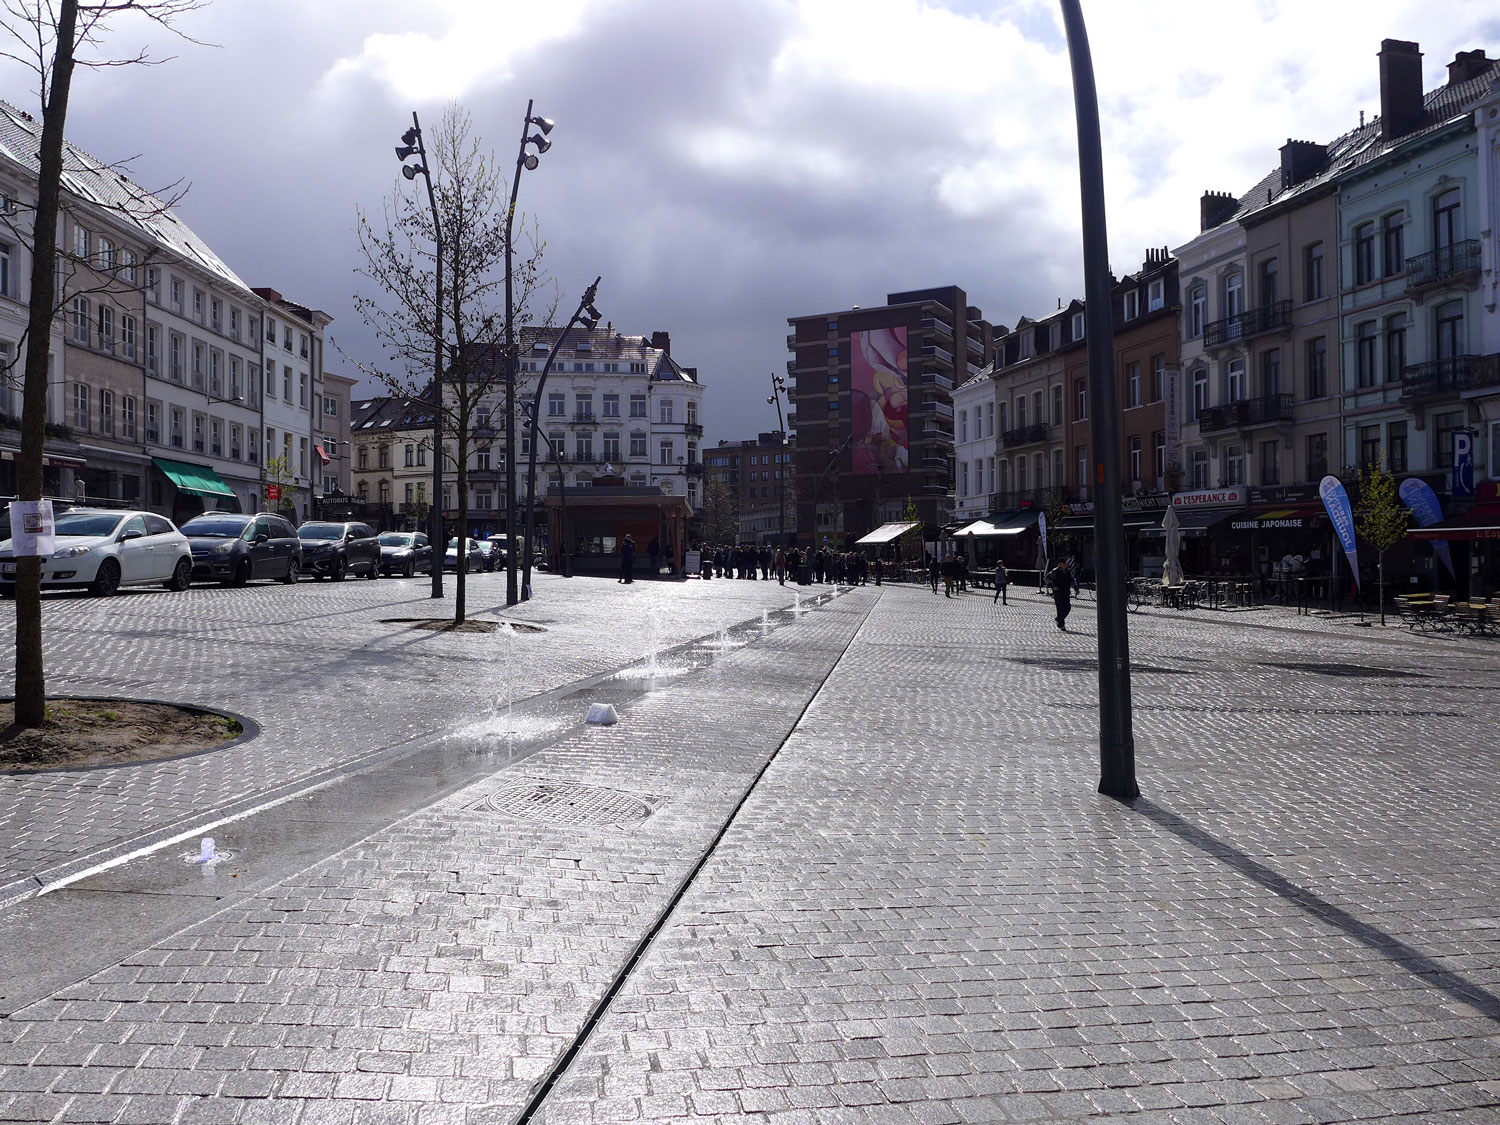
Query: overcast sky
(725, 164)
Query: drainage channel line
(600, 1009)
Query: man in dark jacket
(1060, 583)
(627, 560)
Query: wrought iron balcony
(1246, 413)
(1456, 263)
(1024, 435)
(1275, 317)
(692, 429)
(585, 418)
(1451, 376)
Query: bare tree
(400, 259)
(52, 38)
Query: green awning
(199, 479)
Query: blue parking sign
(1463, 463)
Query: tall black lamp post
(411, 145)
(1116, 738)
(527, 160)
(817, 487)
(778, 388)
(587, 316)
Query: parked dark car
(405, 553)
(473, 556)
(233, 548)
(335, 549)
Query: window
(1083, 472)
(176, 291)
(153, 423)
(216, 437)
(637, 406)
(252, 446)
(1080, 399)
(1448, 321)
(302, 346)
(1312, 271)
(127, 417)
(1132, 304)
(1021, 412)
(178, 426)
(1395, 347)
(1445, 425)
(1447, 220)
(411, 455)
(1396, 441)
(1270, 283)
(1364, 253)
(1078, 326)
(302, 389)
(82, 327)
(963, 427)
(198, 433)
(1156, 295)
(410, 492)
(665, 410)
(106, 253)
(1317, 456)
(234, 324)
(1199, 471)
(557, 404)
(216, 373)
(5, 251)
(1057, 407)
(127, 336)
(1390, 242)
(1317, 367)
(1200, 391)
(1270, 372)
(235, 442)
(215, 313)
(421, 454)
(286, 339)
(1369, 446)
(153, 284)
(127, 265)
(1132, 384)
(583, 407)
(665, 453)
(1234, 380)
(302, 457)
(611, 406)
(1158, 377)
(989, 414)
(153, 349)
(106, 412)
(270, 330)
(331, 409)
(1234, 464)
(963, 478)
(583, 445)
(106, 327)
(383, 456)
(1270, 462)
(1364, 354)
(198, 364)
(1197, 303)
(1135, 458)
(611, 451)
(1159, 459)
(637, 444)
(80, 243)
(1054, 338)
(1234, 295)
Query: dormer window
(1156, 296)
(1132, 304)
(1078, 326)
(583, 347)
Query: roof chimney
(1467, 65)
(1214, 208)
(1299, 160)
(1400, 88)
(663, 341)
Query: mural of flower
(878, 391)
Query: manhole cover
(1353, 671)
(548, 802)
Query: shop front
(1140, 518)
(194, 489)
(1210, 547)
(594, 521)
(1470, 540)
(1008, 537)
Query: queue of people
(751, 562)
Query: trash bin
(804, 575)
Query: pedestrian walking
(950, 575)
(627, 560)
(934, 572)
(1060, 582)
(653, 552)
(879, 569)
(780, 566)
(1002, 580)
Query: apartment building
(871, 396)
(757, 472)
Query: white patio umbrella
(1172, 527)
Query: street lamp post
(1116, 739)
(527, 160)
(411, 145)
(778, 388)
(818, 485)
(588, 316)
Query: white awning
(996, 526)
(886, 532)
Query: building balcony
(791, 341)
(791, 367)
(931, 431)
(934, 406)
(1449, 377)
(934, 461)
(584, 418)
(932, 351)
(932, 379)
(1450, 265)
(692, 429)
(1275, 317)
(1249, 412)
(932, 324)
(1024, 435)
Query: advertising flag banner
(1041, 523)
(878, 382)
(1172, 409)
(32, 530)
(1463, 463)
(1417, 495)
(1341, 515)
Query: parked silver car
(103, 549)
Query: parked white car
(104, 549)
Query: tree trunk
(31, 685)
(1380, 584)
(462, 569)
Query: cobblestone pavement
(328, 682)
(921, 912)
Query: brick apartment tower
(947, 341)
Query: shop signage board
(1232, 497)
(1172, 415)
